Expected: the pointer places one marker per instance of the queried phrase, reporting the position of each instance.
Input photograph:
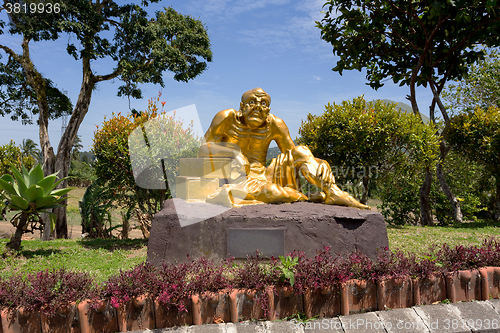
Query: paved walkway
(483, 316)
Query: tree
(77, 146)
(420, 42)
(142, 49)
(479, 88)
(29, 148)
(476, 134)
(363, 139)
(19, 100)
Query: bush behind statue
(118, 188)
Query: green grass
(104, 258)
(101, 258)
(419, 239)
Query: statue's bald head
(259, 92)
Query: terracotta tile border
(350, 297)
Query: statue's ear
(241, 105)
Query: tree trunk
(455, 204)
(425, 208)
(60, 162)
(63, 158)
(496, 204)
(47, 233)
(364, 197)
(15, 241)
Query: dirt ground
(74, 231)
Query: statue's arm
(281, 135)
(219, 126)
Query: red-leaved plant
(173, 284)
(140, 280)
(12, 292)
(48, 291)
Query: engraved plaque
(243, 242)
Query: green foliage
(142, 47)
(29, 148)
(362, 140)
(138, 48)
(32, 194)
(479, 88)
(95, 209)
(18, 98)
(392, 39)
(476, 134)
(10, 154)
(81, 174)
(398, 189)
(167, 142)
(286, 268)
(77, 146)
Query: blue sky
(272, 44)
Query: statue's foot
(346, 201)
(338, 197)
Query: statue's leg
(309, 165)
(273, 193)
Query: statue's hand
(324, 173)
(240, 164)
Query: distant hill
(272, 153)
(406, 108)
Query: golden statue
(237, 142)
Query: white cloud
(292, 33)
(317, 77)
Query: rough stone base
(275, 229)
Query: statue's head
(255, 107)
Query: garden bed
(202, 292)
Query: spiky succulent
(30, 192)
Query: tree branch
(100, 78)
(11, 53)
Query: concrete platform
(483, 316)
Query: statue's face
(255, 110)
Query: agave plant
(2, 205)
(32, 194)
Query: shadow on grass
(28, 254)
(114, 244)
(477, 225)
(466, 225)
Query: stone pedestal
(271, 229)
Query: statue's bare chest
(253, 142)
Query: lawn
(104, 258)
